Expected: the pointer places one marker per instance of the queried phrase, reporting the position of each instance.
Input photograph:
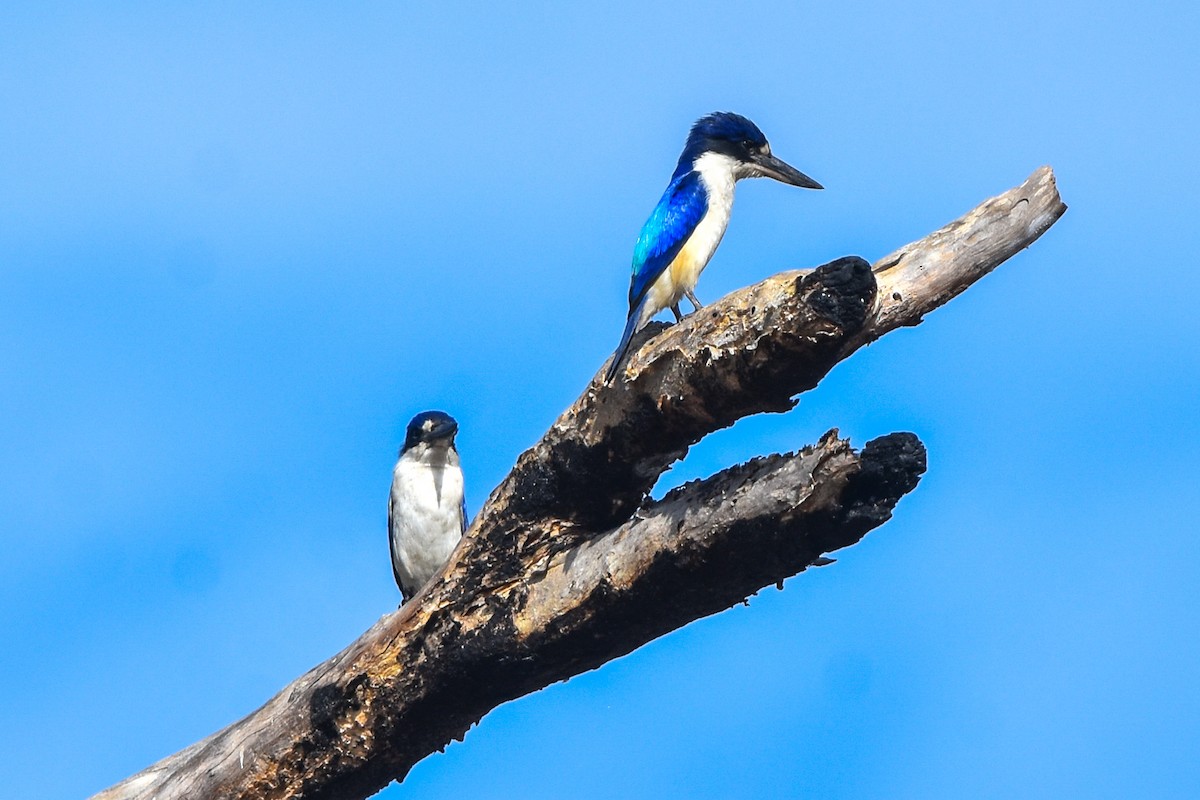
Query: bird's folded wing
(677, 214)
(392, 551)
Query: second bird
(686, 226)
(427, 514)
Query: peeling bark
(568, 566)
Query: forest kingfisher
(686, 226)
(427, 514)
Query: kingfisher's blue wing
(677, 214)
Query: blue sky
(241, 245)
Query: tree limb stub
(710, 544)
(567, 566)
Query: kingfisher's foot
(675, 311)
(691, 296)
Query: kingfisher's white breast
(717, 173)
(425, 508)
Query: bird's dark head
(430, 427)
(737, 138)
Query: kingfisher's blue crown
(728, 126)
(721, 132)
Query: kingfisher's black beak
(442, 431)
(772, 167)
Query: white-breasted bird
(686, 226)
(427, 514)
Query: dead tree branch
(568, 566)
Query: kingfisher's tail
(631, 326)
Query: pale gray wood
(923, 275)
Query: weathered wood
(921, 276)
(567, 567)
